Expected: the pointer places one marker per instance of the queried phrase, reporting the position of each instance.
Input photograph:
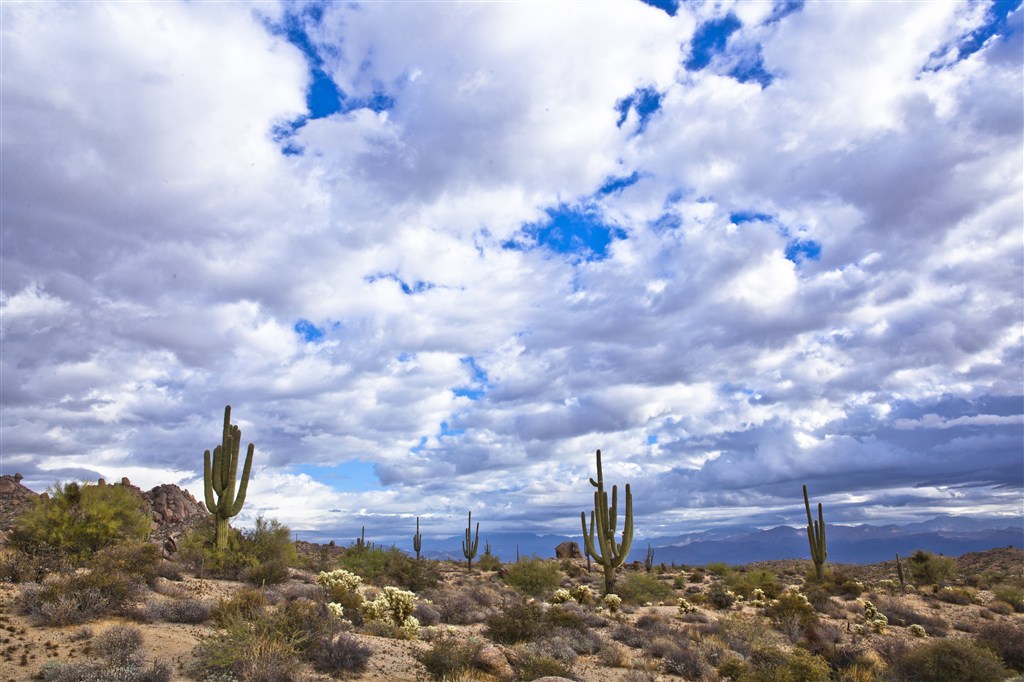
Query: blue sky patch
(997, 23)
(645, 101)
(353, 476)
(475, 390)
(750, 68)
(617, 184)
(668, 6)
(741, 217)
(417, 287)
(711, 39)
(799, 250)
(574, 230)
(309, 332)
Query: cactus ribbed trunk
(220, 471)
(599, 542)
(816, 538)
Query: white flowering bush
(612, 602)
(395, 607)
(561, 596)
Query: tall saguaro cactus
(219, 478)
(417, 540)
(469, 546)
(816, 538)
(606, 551)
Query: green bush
(391, 566)
(949, 660)
(791, 613)
(719, 568)
(339, 655)
(520, 622)
(640, 588)
(448, 658)
(1010, 594)
(77, 519)
(776, 665)
(744, 583)
(260, 556)
(488, 562)
(533, 576)
(929, 569)
(1006, 639)
(534, 667)
(720, 597)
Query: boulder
(568, 550)
(492, 659)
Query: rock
(492, 659)
(568, 550)
(18, 477)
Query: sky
(436, 254)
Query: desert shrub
(776, 665)
(1005, 638)
(719, 568)
(77, 519)
(1010, 594)
(640, 588)
(251, 645)
(949, 660)
(338, 655)
(566, 616)
(391, 566)
(17, 566)
(488, 562)
(519, 622)
(134, 671)
(614, 655)
(654, 624)
(190, 611)
(78, 597)
(247, 604)
(744, 583)
(458, 606)
(261, 555)
(533, 576)
(630, 636)
(791, 613)
(580, 641)
(957, 595)
(720, 597)
(929, 569)
(136, 559)
(687, 662)
(448, 657)
(394, 607)
(897, 612)
(533, 667)
(118, 643)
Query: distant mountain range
(861, 544)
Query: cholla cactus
(917, 630)
(612, 602)
(758, 597)
(561, 596)
(336, 610)
(394, 606)
(582, 594)
(339, 578)
(873, 618)
(685, 606)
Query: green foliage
(929, 569)
(640, 588)
(776, 665)
(600, 542)
(77, 519)
(534, 667)
(533, 576)
(719, 568)
(449, 658)
(791, 613)
(949, 660)
(488, 562)
(1010, 594)
(379, 566)
(744, 583)
(261, 555)
(219, 476)
(720, 597)
(519, 622)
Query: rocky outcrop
(15, 499)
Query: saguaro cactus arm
(220, 472)
(816, 537)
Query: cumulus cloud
(738, 248)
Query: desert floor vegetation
(278, 610)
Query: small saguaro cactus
(899, 573)
(219, 477)
(417, 540)
(606, 551)
(816, 538)
(360, 543)
(469, 545)
(649, 559)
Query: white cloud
(159, 249)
